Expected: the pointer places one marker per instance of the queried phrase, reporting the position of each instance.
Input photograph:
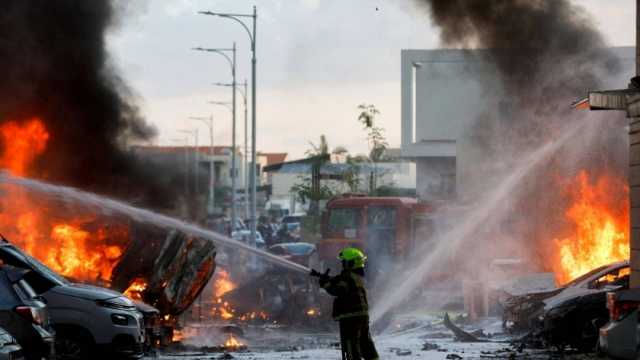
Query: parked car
(86, 319)
(9, 347)
(297, 252)
(575, 315)
(292, 219)
(24, 315)
(289, 232)
(620, 338)
(245, 236)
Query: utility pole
(243, 92)
(211, 203)
(246, 154)
(185, 143)
(196, 157)
(252, 37)
(234, 170)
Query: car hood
(87, 292)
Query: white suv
(86, 319)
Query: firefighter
(350, 306)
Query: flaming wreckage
(565, 317)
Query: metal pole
(196, 160)
(253, 129)
(212, 170)
(233, 144)
(246, 154)
(186, 167)
(637, 37)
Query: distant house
(184, 158)
(266, 159)
(391, 172)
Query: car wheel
(589, 334)
(72, 346)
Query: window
(618, 277)
(344, 222)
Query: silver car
(87, 319)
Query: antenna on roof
(3, 239)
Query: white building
(443, 92)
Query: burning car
(572, 314)
(84, 317)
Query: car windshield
(344, 221)
(37, 266)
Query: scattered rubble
(460, 334)
(427, 346)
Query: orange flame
(135, 290)
(222, 283)
(65, 246)
(313, 312)
(600, 215)
(22, 144)
(232, 343)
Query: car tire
(72, 345)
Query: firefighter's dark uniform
(351, 309)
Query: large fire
(22, 143)
(222, 309)
(72, 245)
(599, 213)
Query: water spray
(107, 205)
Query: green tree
(375, 138)
(309, 188)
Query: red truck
(387, 229)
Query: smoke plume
(56, 68)
(546, 54)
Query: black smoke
(546, 54)
(56, 67)
(546, 48)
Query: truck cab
(385, 228)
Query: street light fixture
(243, 91)
(252, 37)
(232, 63)
(212, 168)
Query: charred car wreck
(571, 315)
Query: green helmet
(352, 258)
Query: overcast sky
(317, 60)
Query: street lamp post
(196, 157)
(234, 171)
(243, 92)
(229, 106)
(252, 38)
(185, 143)
(212, 167)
